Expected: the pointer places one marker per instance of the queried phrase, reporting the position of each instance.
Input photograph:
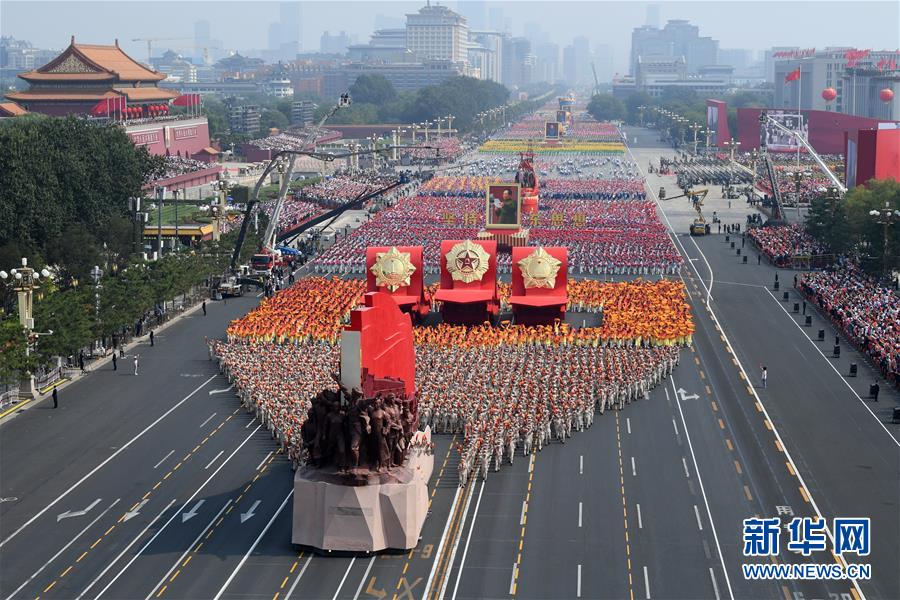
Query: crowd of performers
(603, 237)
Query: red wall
(887, 154)
(721, 133)
(186, 136)
(826, 129)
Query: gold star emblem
(467, 262)
(539, 269)
(392, 269)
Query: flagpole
(799, 117)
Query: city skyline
(747, 27)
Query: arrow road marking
(137, 510)
(193, 512)
(249, 514)
(685, 396)
(77, 513)
(228, 389)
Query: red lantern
(886, 95)
(829, 94)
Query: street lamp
(24, 281)
(732, 145)
(450, 126)
(885, 217)
(696, 128)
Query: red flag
(793, 75)
(108, 105)
(187, 100)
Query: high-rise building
(546, 67)
(577, 62)
(652, 16)
(302, 112)
(486, 54)
(244, 119)
(677, 38)
(334, 44)
(437, 33)
(518, 62)
(604, 56)
(284, 35)
(568, 65)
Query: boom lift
(700, 226)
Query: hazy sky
(244, 24)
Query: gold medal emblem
(467, 262)
(539, 269)
(392, 269)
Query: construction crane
(765, 120)
(699, 226)
(596, 80)
(263, 261)
(150, 44)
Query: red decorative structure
(377, 346)
(468, 292)
(539, 290)
(829, 94)
(886, 95)
(385, 274)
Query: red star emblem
(466, 261)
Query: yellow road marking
(83, 554)
(49, 587)
(721, 424)
(737, 467)
(284, 582)
(161, 591)
(768, 424)
(790, 468)
(99, 539)
(758, 407)
(708, 391)
(715, 406)
(779, 446)
(66, 572)
(174, 575)
(804, 494)
(702, 375)
(186, 561)
(747, 493)
(728, 443)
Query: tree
(70, 315)
(867, 231)
(372, 89)
(14, 359)
(606, 108)
(271, 118)
(633, 101)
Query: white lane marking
(128, 547)
(137, 510)
(441, 545)
(228, 389)
(365, 576)
(646, 584)
(246, 516)
(167, 523)
(462, 562)
(459, 537)
(674, 424)
(512, 579)
(578, 583)
(164, 459)
(344, 578)
(712, 276)
(522, 514)
(185, 517)
(686, 472)
(101, 465)
(633, 469)
(77, 513)
(259, 295)
(640, 522)
(189, 548)
(581, 464)
(221, 452)
(299, 575)
(697, 514)
(262, 462)
(712, 523)
(255, 544)
(63, 549)
(579, 513)
(628, 424)
(208, 419)
(712, 576)
(833, 368)
(247, 426)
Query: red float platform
(386, 276)
(539, 279)
(468, 292)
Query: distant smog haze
(247, 26)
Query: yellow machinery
(700, 226)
